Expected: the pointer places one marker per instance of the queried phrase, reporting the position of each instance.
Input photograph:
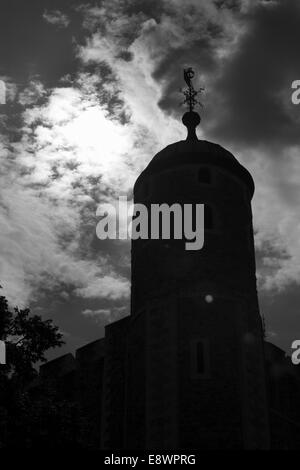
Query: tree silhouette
(27, 338)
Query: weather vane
(190, 93)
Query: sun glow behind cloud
(76, 151)
(66, 142)
(74, 129)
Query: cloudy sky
(92, 95)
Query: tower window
(200, 363)
(208, 218)
(204, 176)
(200, 367)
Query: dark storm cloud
(152, 9)
(29, 45)
(205, 28)
(232, 4)
(169, 67)
(248, 98)
(254, 89)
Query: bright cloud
(46, 192)
(56, 18)
(105, 315)
(276, 218)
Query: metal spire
(191, 119)
(190, 93)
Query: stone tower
(195, 360)
(186, 369)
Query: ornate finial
(191, 119)
(190, 94)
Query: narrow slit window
(204, 176)
(200, 362)
(200, 367)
